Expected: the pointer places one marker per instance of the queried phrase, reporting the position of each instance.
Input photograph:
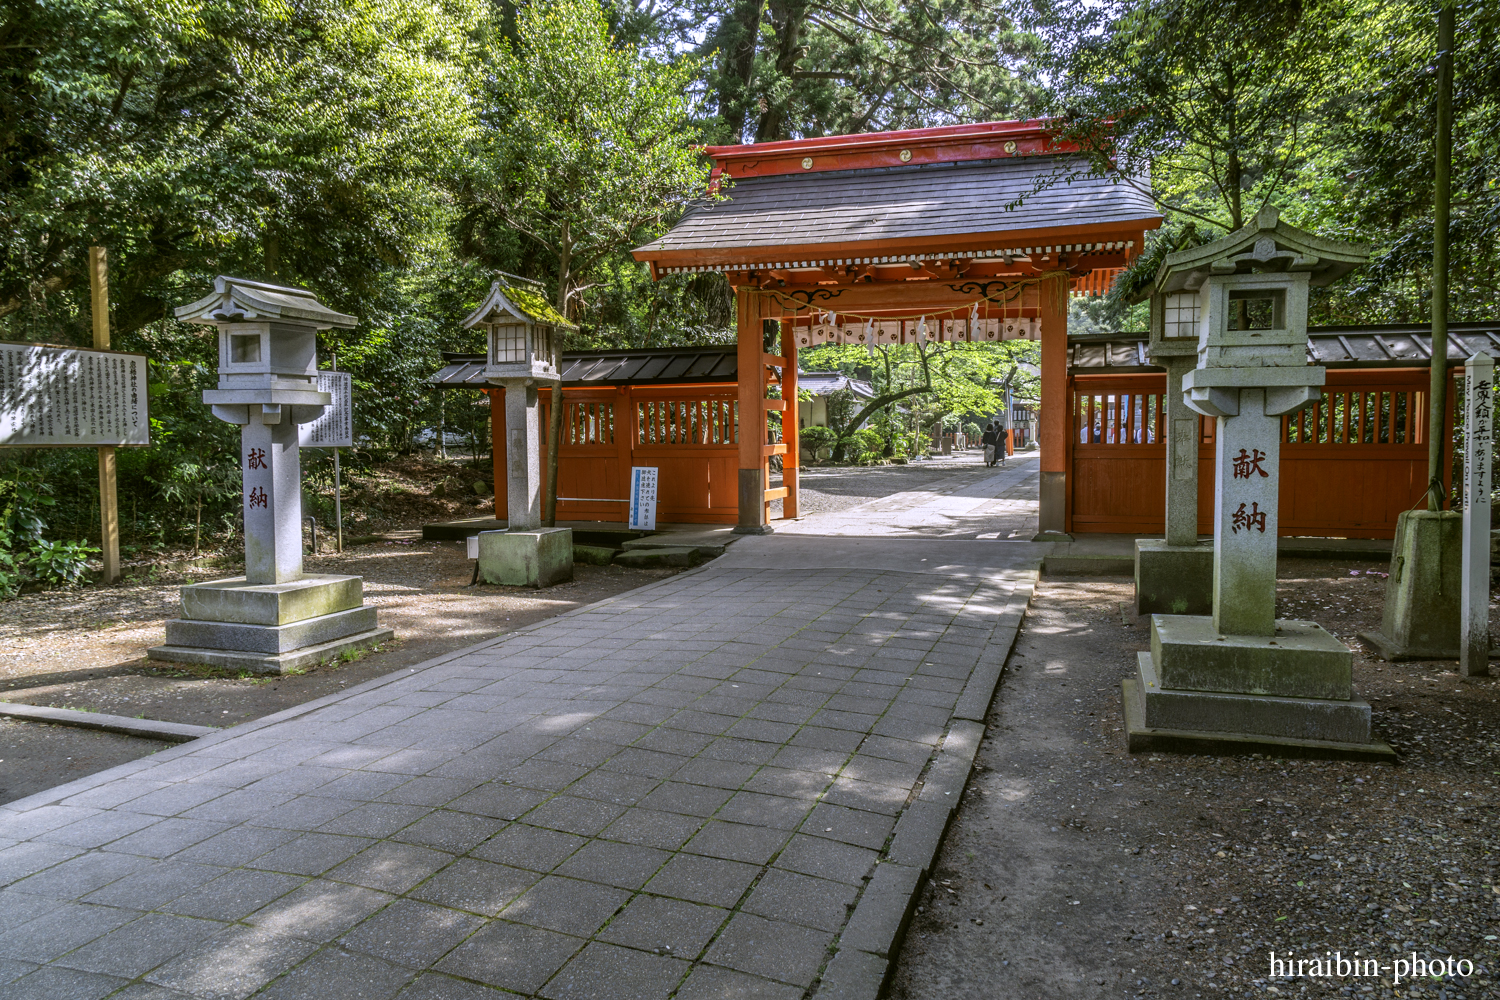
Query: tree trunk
(788, 17)
(737, 35)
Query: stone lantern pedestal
(521, 327)
(274, 618)
(1241, 679)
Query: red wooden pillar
(1053, 303)
(791, 430)
(752, 415)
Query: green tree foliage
(929, 381)
(585, 144)
(294, 140)
(1323, 107)
(785, 69)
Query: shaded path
(725, 784)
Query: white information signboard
(335, 428)
(643, 498)
(64, 397)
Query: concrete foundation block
(237, 600)
(1173, 579)
(660, 557)
(270, 639)
(1420, 618)
(537, 558)
(1253, 715)
(277, 663)
(593, 555)
(1144, 739)
(1300, 661)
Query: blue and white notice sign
(643, 498)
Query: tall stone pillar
(275, 617)
(1247, 464)
(1174, 575)
(523, 467)
(271, 466)
(1242, 679)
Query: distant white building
(825, 384)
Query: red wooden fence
(1349, 464)
(690, 433)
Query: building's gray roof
(826, 383)
(663, 366)
(1329, 346)
(932, 200)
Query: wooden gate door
(691, 435)
(593, 468)
(1358, 457)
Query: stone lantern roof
(1266, 244)
(519, 299)
(237, 300)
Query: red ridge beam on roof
(945, 144)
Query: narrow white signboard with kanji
(335, 428)
(643, 498)
(63, 397)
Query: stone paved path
(727, 784)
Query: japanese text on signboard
(63, 397)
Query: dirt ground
(1075, 869)
(86, 649)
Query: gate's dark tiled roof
(933, 200)
(663, 366)
(1330, 346)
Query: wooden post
(1479, 441)
(109, 506)
(1053, 302)
(791, 431)
(752, 417)
(1437, 473)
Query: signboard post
(1479, 440)
(109, 508)
(334, 429)
(643, 498)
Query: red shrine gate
(959, 233)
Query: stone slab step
(661, 557)
(263, 663)
(149, 729)
(1141, 739)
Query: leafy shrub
(865, 446)
(816, 438)
(973, 431)
(25, 556)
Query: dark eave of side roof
(660, 366)
(1398, 346)
(915, 202)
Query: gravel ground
(1075, 869)
(827, 488)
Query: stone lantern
(522, 328)
(1241, 678)
(274, 617)
(1174, 575)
